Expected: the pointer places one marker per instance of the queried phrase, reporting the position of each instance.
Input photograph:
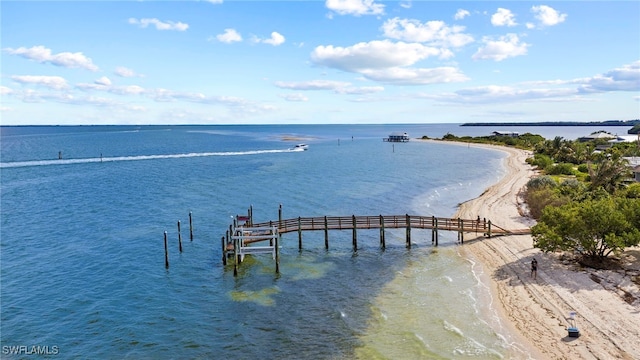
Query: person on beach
(534, 268)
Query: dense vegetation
(585, 199)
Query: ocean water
(82, 254)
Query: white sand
(539, 309)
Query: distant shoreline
(559, 123)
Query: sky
(318, 62)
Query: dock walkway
(239, 238)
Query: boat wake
(18, 164)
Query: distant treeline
(561, 123)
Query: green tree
(594, 228)
(609, 173)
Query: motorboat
(300, 147)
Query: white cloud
(461, 14)
(275, 40)
(386, 61)
(503, 94)
(294, 97)
(5, 90)
(373, 55)
(625, 78)
(312, 85)
(103, 81)
(547, 15)
(160, 25)
(503, 17)
(355, 7)
(505, 47)
(412, 76)
(214, 1)
(125, 72)
(44, 55)
(362, 90)
(406, 4)
(434, 32)
(52, 82)
(339, 87)
(229, 36)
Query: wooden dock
(239, 238)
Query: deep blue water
(82, 258)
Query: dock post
(280, 222)
(382, 242)
(355, 234)
(277, 252)
(179, 236)
(408, 231)
(250, 215)
(236, 258)
(299, 233)
(190, 226)
(326, 233)
(436, 231)
(271, 226)
(433, 233)
(224, 251)
(166, 252)
(489, 226)
(461, 227)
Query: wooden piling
(326, 233)
(190, 227)
(166, 252)
(408, 231)
(299, 233)
(224, 251)
(271, 226)
(382, 242)
(435, 230)
(277, 256)
(280, 221)
(489, 228)
(355, 234)
(236, 258)
(250, 215)
(179, 237)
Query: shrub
(632, 191)
(541, 182)
(583, 168)
(538, 199)
(541, 161)
(559, 169)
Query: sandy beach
(606, 303)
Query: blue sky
(333, 61)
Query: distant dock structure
(397, 137)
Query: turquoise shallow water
(82, 261)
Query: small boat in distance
(300, 147)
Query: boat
(300, 147)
